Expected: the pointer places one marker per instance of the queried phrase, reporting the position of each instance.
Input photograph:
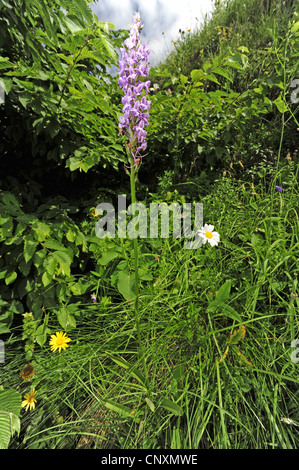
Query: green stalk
(136, 265)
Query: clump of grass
(242, 401)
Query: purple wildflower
(278, 188)
(133, 65)
(93, 297)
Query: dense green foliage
(217, 323)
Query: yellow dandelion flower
(29, 401)
(59, 341)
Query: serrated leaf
(50, 264)
(52, 244)
(65, 318)
(64, 260)
(223, 73)
(10, 407)
(42, 230)
(29, 248)
(46, 279)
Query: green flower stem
(136, 263)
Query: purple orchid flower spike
(133, 69)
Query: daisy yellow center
(209, 235)
(60, 341)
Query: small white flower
(207, 235)
(155, 87)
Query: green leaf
(183, 79)
(197, 74)
(132, 370)
(84, 9)
(29, 248)
(122, 410)
(295, 27)
(52, 244)
(41, 332)
(126, 285)
(223, 73)
(42, 230)
(224, 291)
(281, 105)
(212, 78)
(171, 406)
(65, 318)
(64, 260)
(46, 279)
(10, 277)
(5, 83)
(150, 404)
(50, 264)
(229, 312)
(108, 256)
(10, 407)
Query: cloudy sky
(158, 16)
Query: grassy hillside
(138, 342)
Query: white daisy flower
(207, 235)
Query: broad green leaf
(224, 291)
(295, 27)
(42, 230)
(171, 406)
(46, 279)
(126, 285)
(224, 73)
(65, 318)
(29, 248)
(52, 244)
(64, 260)
(197, 74)
(50, 264)
(126, 365)
(10, 407)
(150, 404)
(212, 78)
(229, 311)
(122, 410)
(5, 83)
(10, 277)
(281, 105)
(183, 79)
(41, 332)
(108, 256)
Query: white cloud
(158, 16)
